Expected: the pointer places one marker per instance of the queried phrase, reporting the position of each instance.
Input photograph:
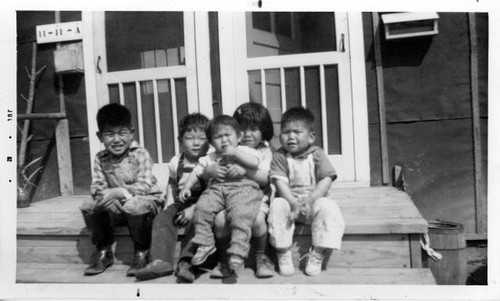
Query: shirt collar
(310, 150)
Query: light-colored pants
(325, 218)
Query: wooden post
(415, 251)
(480, 201)
(381, 98)
(62, 139)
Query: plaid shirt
(133, 171)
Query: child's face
(194, 143)
(296, 137)
(251, 137)
(223, 137)
(116, 140)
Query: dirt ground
(477, 262)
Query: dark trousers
(101, 224)
(164, 237)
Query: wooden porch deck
(383, 229)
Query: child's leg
(163, 243)
(140, 227)
(259, 233)
(209, 204)
(164, 236)
(242, 205)
(281, 227)
(184, 270)
(327, 225)
(327, 229)
(263, 265)
(99, 223)
(221, 226)
(222, 241)
(140, 211)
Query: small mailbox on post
(406, 25)
(68, 58)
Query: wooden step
(73, 273)
(383, 228)
(388, 251)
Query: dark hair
(298, 114)
(252, 114)
(113, 115)
(192, 122)
(222, 120)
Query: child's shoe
(202, 254)
(155, 269)
(264, 267)
(185, 272)
(101, 260)
(314, 262)
(221, 271)
(285, 263)
(139, 262)
(236, 262)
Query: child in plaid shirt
(123, 190)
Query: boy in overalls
(123, 190)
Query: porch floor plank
(73, 273)
(371, 210)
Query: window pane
(283, 24)
(114, 93)
(333, 109)
(167, 130)
(273, 96)
(282, 33)
(262, 21)
(255, 86)
(313, 100)
(292, 83)
(148, 119)
(131, 103)
(181, 97)
(153, 39)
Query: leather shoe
(101, 260)
(140, 261)
(155, 269)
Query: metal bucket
(448, 239)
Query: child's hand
(114, 193)
(184, 194)
(114, 206)
(184, 217)
(216, 171)
(305, 205)
(229, 151)
(295, 211)
(111, 199)
(235, 171)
